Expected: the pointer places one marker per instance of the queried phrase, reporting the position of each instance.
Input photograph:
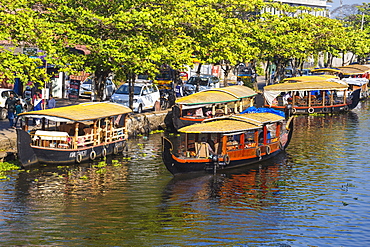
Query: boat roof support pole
(76, 135)
(332, 98)
(25, 126)
(345, 96)
(323, 97)
(95, 132)
(111, 129)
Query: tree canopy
(136, 36)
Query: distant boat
(357, 76)
(73, 134)
(227, 142)
(211, 103)
(311, 94)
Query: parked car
(305, 72)
(109, 88)
(205, 82)
(145, 96)
(5, 92)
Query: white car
(109, 88)
(145, 96)
(4, 94)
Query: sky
(336, 3)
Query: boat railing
(53, 139)
(117, 133)
(62, 140)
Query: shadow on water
(230, 183)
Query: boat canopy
(309, 78)
(216, 95)
(323, 70)
(356, 81)
(354, 69)
(81, 112)
(272, 91)
(233, 124)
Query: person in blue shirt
(51, 102)
(179, 90)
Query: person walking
(10, 106)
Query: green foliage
(136, 37)
(6, 167)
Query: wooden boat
(315, 95)
(227, 142)
(211, 103)
(357, 76)
(73, 134)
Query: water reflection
(243, 198)
(316, 193)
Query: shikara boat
(227, 142)
(73, 134)
(211, 103)
(315, 95)
(357, 76)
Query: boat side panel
(69, 156)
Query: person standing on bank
(10, 106)
(51, 102)
(37, 106)
(179, 90)
(18, 110)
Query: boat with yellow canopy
(357, 77)
(73, 134)
(227, 142)
(211, 103)
(311, 96)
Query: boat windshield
(124, 89)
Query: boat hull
(178, 165)
(30, 155)
(314, 110)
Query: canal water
(314, 194)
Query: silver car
(201, 83)
(109, 88)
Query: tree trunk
(198, 69)
(131, 80)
